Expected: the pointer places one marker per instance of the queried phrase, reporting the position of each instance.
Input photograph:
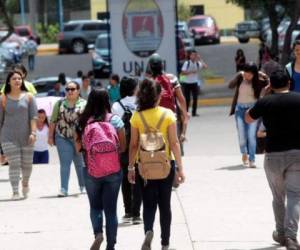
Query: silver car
(246, 30)
(184, 33)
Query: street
(222, 205)
(213, 55)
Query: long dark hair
(252, 68)
(97, 107)
(148, 94)
(239, 53)
(42, 111)
(7, 87)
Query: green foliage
(48, 33)
(184, 12)
(208, 74)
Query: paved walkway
(222, 205)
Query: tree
(184, 12)
(6, 18)
(294, 14)
(269, 7)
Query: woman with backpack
(249, 85)
(124, 108)
(18, 114)
(153, 138)
(64, 121)
(103, 138)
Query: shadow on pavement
(4, 180)
(9, 200)
(233, 168)
(56, 197)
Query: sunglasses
(70, 89)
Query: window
(198, 22)
(102, 43)
(23, 32)
(70, 27)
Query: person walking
(279, 112)
(155, 192)
(124, 108)
(57, 90)
(18, 114)
(41, 152)
(240, 60)
(190, 70)
(85, 89)
(293, 68)
(99, 129)
(248, 85)
(64, 119)
(114, 88)
(31, 47)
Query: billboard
(140, 28)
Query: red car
(26, 31)
(204, 29)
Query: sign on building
(140, 28)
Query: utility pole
(61, 14)
(32, 14)
(22, 7)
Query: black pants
(157, 193)
(132, 194)
(188, 89)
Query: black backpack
(124, 158)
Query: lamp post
(22, 8)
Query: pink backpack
(101, 143)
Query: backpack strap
(145, 124)
(163, 116)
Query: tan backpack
(154, 163)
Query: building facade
(226, 14)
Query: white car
(186, 36)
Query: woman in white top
(41, 153)
(132, 197)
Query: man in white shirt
(190, 71)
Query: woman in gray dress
(18, 114)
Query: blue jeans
(103, 196)
(157, 193)
(31, 60)
(283, 174)
(246, 132)
(67, 154)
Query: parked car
(26, 31)
(44, 84)
(204, 29)
(246, 30)
(186, 36)
(78, 35)
(101, 57)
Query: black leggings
(188, 89)
(158, 193)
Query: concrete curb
(209, 102)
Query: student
(156, 193)
(18, 131)
(102, 173)
(279, 113)
(293, 68)
(114, 88)
(240, 60)
(41, 153)
(85, 89)
(124, 108)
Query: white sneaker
(15, 196)
(252, 164)
(25, 191)
(147, 241)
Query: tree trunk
(7, 19)
(288, 35)
(32, 14)
(273, 16)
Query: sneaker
(136, 220)
(62, 193)
(97, 242)
(164, 247)
(291, 244)
(245, 159)
(147, 241)
(15, 196)
(279, 238)
(127, 218)
(25, 191)
(252, 164)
